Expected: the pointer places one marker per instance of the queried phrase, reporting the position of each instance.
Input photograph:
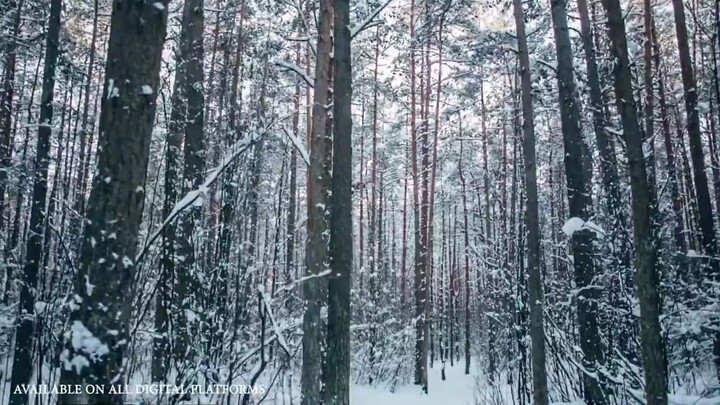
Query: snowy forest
(367, 202)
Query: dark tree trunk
(25, 325)
(337, 390)
(115, 205)
(163, 298)
(535, 289)
(317, 213)
(649, 98)
(646, 278)
(673, 181)
(579, 197)
(605, 144)
(707, 223)
(419, 283)
(83, 167)
(6, 106)
(292, 203)
(466, 257)
(187, 290)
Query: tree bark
(186, 287)
(337, 390)
(83, 168)
(535, 289)
(420, 282)
(646, 278)
(579, 196)
(6, 107)
(115, 205)
(316, 255)
(25, 325)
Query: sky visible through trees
(334, 202)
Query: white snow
(89, 287)
(40, 307)
(85, 345)
(457, 389)
(147, 90)
(572, 225)
(298, 70)
(302, 150)
(575, 224)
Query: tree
(644, 231)
(316, 248)
(420, 280)
(580, 204)
(187, 294)
(21, 372)
(99, 324)
(707, 223)
(6, 106)
(534, 284)
(337, 390)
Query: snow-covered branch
(295, 68)
(354, 31)
(195, 196)
(278, 332)
(299, 146)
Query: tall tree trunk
(163, 297)
(316, 254)
(373, 235)
(466, 257)
(115, 205)
(83, 167)
(535, 289)
(292, 203)
(707, 223)
(420, 282)
(337, 390)
(673, 181)
(646, 278)
(649, 97)
(696, 149)
(25, 325)
(605, 144)
(12, 243)
(186, 287)
(579, 197)
(6, 105)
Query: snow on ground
(457, 389)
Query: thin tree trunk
(466, 256)
(673, 181)
(420, 282)
(6, 105)
(537, 331)
(25, 326)
(82, 157)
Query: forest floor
(461, 389)
(457, 389)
